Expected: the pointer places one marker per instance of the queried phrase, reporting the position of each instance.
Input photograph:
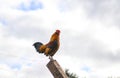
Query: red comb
(58, 31)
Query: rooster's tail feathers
(37, 46)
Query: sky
(90, 37)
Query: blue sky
(32, 5)
(3, 22)
(86, 68)
(90, 37)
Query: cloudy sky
(90, 37)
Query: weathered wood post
(56, 69)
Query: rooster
(51, 47)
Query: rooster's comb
(58, 31)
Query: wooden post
(55, 69)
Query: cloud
(85, 47)
(25, 71)
(87, 40)
(68, 5)
(32, 71)
(106, 11)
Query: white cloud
(6, 72)
(85, 41)
(109, 36)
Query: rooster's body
(51, 47)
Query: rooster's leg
(51, 58)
